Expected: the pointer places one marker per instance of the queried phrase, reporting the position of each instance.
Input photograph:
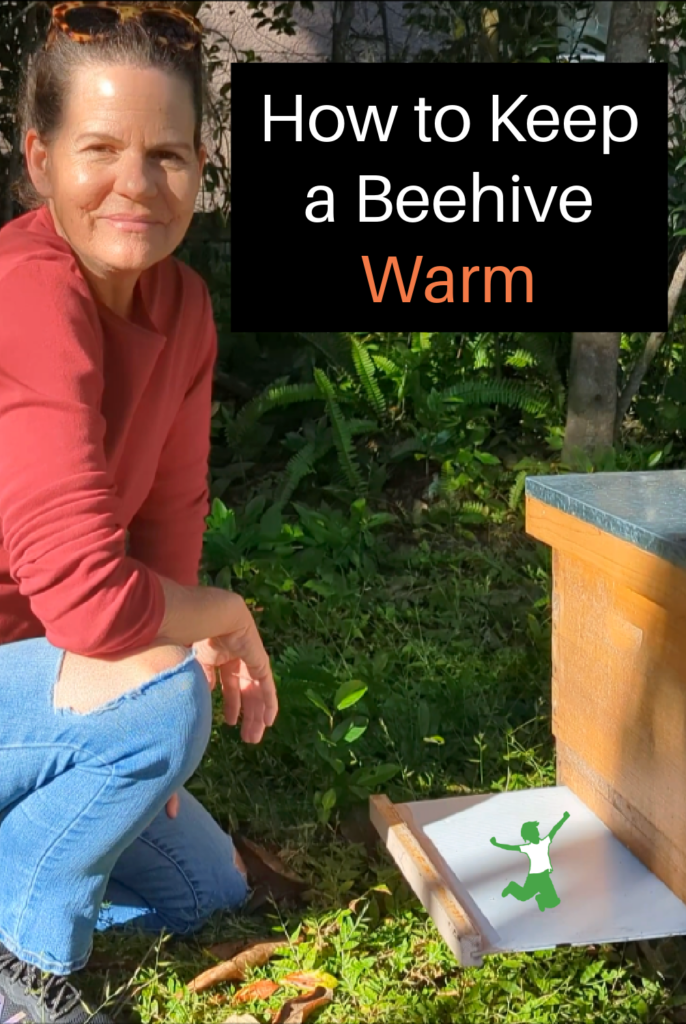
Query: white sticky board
(606, 894)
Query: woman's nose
(136, 176)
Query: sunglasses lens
(175, 30)
(91, 19)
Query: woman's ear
(37, 163)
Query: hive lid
(645, 509)
(443, 848)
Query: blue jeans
(85, 841)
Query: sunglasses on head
(91, 21)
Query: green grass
(452, 637)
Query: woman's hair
(44, 89)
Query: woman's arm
(62, 523)
(60, 513)
(166, 533)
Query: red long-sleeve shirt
(104, 428)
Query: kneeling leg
(175, 875)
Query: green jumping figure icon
(537, 849)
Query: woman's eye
(161, 155)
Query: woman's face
(122, 174)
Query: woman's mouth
(133, 224)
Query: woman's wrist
(196, 613)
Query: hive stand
(619, 722)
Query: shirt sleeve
(59, 510)
(167, 531)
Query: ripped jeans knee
(164, 719)
(85, 684)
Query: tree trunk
(344, 12)
(592, 400)
(630, 31)
(651, 348)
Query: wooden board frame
(441, 847)
(405, 846)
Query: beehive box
(619, 722)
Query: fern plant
(510, 393)
(366, 372)
(358, 372)
(277, 395)
(517, 490)
(342, 435)
(381, 388)
(300, 465)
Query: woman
(107, 346)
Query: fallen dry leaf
(261, 989)
(268, 876)
(309, 980)
(241, 1018)
(235, 969)
(228, 950)
(297, 1010)
(267, 859)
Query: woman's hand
(243, 691)
(244, 672)
(243, 666)
(248, 692)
